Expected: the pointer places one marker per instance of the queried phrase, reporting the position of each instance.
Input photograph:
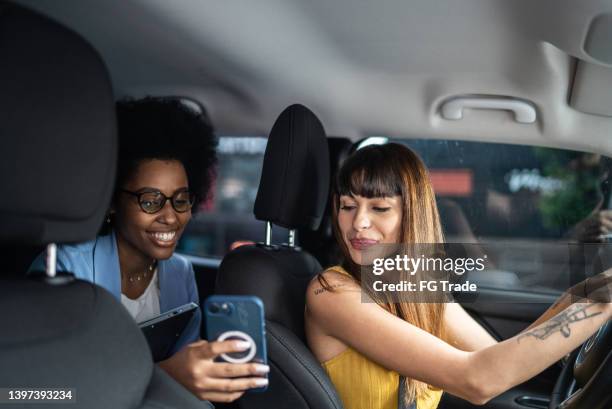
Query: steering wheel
(585, 381)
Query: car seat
(292, 193)
(58, 144)
(321, 242)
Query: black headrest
(321, 243)
(295, 177)
(57, 131)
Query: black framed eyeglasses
(152, 201)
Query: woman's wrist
(576, 293)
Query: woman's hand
(594, 289)
(599, 287)
(195, 369)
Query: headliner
(366, 68)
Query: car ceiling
(365, 67)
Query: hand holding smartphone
(240, 318)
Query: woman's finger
(233, 384)
(225, 370)
(211, 350)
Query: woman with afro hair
(165, 170)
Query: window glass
(228, 217)
(523, 203)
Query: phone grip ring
(242, 336)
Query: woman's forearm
(509, 363)
(577, 293)
(564, 301)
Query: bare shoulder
(331, 281)
(329, 286)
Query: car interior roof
(365, 68)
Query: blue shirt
(97, 261)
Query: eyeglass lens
(152, 202)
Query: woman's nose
(361, 221)
(167, 214)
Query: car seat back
(292, 193)
(58, 145)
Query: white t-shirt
(146, 306)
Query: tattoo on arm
(561, 322)
(330, 288)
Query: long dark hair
(385, 171)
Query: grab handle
(524, 112)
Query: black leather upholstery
(293, 193)
(321, 242)
(278, 276)
(58, 142)
(297, 379)
(165, 393)
(72, 335)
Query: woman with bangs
(396, 353)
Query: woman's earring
(109, 216)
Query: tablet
(163, 331)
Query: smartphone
(237, 317)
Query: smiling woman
(166, 166)
(383, 352)
(146, 229)
(166, 163)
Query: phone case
(237, 317)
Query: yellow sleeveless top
(363, 384)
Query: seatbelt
(401, 403)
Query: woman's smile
(164, 239)
(362, 244)
(152, 235)
(367, 222)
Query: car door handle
(533, 402)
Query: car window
(228, 217)
(525, 204)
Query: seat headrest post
(291, 240)
(50, 267)
(268, 240)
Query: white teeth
(167, 236)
